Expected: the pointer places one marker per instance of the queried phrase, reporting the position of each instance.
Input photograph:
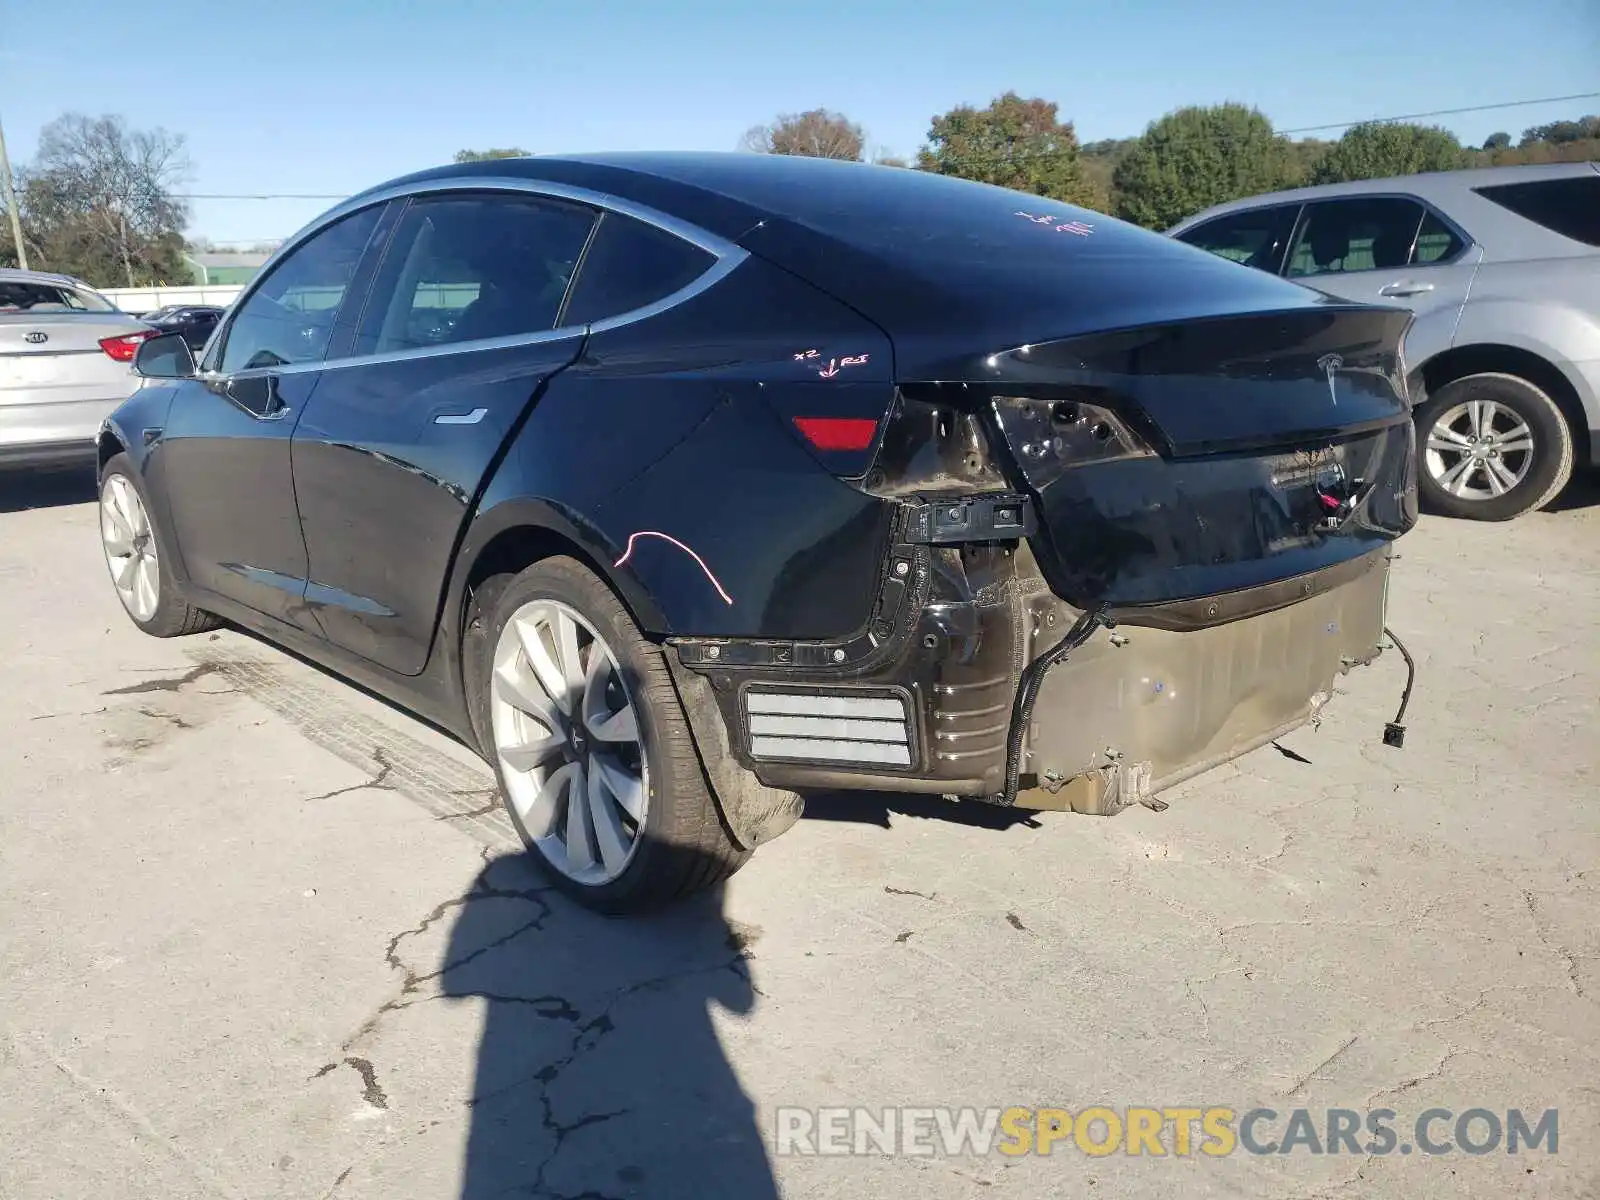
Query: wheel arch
(513, 536)
(1486, 357)
(509, 538)
(108, 444)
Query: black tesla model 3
(683, 484)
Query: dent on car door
(224, 457)
(456, 341)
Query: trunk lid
(1191, 458)
(1225, 384)
(57, 358)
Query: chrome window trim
(728, 256)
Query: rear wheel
(139, 574)
(587, 736)
(1493, 447)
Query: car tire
(140, 573)
(1465, 434)
(615, 808)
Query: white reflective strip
(829, 727)
(829, 751)
(890, 707)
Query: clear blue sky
(331, 96)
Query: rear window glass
(22, 296)
(629, 265)
(1570, 207)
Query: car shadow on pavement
(1582, 492)
(46, 488)
(880, 808)
(600, 1072)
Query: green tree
(1196, 157)
(1561, 132)
(1497, 141)
(1013, 143)
(814, 134)
(1100, 160)
(1379, 149)
(98, 201)
(468, 156)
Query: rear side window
(1339, 236)
(1436, 242)
(1570, 207)
(631, 264)
(1255, 238)
(466, 268)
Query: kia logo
(36, 338)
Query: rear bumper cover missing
(1158, 706)
(922, 700)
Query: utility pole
(11, 203)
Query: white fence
(146, 299)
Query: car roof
(910, 250)
(1436, 187)
(17, 275)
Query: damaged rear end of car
(1142, 510)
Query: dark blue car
(681, 485)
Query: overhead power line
(1416, 116)
(1442, 112)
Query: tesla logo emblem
(1330, 364)
(36, 338)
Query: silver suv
(1502, 268)
(66, 360)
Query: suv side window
(470, 267)
(1364, 233)
(1570, 207)
(1436, 242)
(1255, 237)
(289, 317)
(631, 264)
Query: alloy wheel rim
(130, 548)
(1479, 450)
(566, 734)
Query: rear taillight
(124, 346)
(837, 433)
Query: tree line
(100, 200)
(1186, 161)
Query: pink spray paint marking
(835, 365)
(1080, 228)
(634, 537)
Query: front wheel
(1493, 447)
(588, 739)
(141, 576)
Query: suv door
(223, 464)
(1383, 250)
(457, 341)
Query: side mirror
(166, 356)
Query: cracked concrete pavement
(265, 937)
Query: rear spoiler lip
(980, 365)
